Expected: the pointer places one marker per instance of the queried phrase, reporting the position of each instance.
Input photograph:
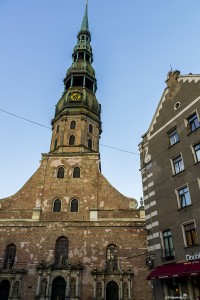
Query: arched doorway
(112, 291)
(4, 289)
(58, 289)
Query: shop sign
(177, 297)
(193, 256)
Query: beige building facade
(170, 156)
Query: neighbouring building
(69, 234)
(170, 167)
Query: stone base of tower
(102, 235)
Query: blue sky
(134, 43)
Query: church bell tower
(77, 124)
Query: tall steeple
(77, 123)
(85, 24)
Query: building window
(111, 257)
(178, 164)
(90, 144)
(173, 137)
(72, 125)
(90, 128)
(190, 234)
(184, 197)
(57, 129)
(57, 205)
(61, 250)
(55, 144)
(168, 253)
(72, 140)
(10, 256)
(197, 152)
(60, 172)
(193, 122)
(74, 205)
(76, 172)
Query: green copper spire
(85, 24)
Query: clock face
(75, 96)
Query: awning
(170, 271)
(194, 269)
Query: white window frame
(178, 198)
(194, 152)
(172, 164)
(187, 124)
(183, 232)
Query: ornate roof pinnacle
(85, 24)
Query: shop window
(60, 172)
(72, 140)
(190, 234)
(173, 137)
(183, 197)
(193, 122)
(73, 124)
(90, 144)
(197, 152)
(74, 205)
(57, 205)
(178, 165)
(10, 254)
(111, 257)
(61, 250)
(90, 128)
(76, 172)
(168, 253)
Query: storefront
(177, 280)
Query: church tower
(68, 233)
(77, 123)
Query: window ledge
(178, 173)
(194, 131)
(173, 145)
(181, 208)
(196, 245)
(197, 162)
(169, 261)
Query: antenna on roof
(171, 67)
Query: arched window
(91, 128)
(10, 256)
(55, 144)
(60, 172)
(111, 257)
(74, 205)
(73, 125)
(90, 144)
(57, 205)
(76, 172)
(61, 250)
(72, 140)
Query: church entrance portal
(58, 289)
(112, 291)
(4, 289)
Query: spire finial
(85, 26)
